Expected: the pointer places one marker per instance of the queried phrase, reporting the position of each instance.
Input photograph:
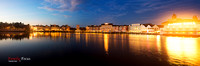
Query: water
(99, 49)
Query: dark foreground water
(99, 49)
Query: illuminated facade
(136, 28)
(93, 28)
(123, 28)
(80, 29)
(55, 28)
(51, 28)
(109, 27)
(178, 26)
(65, 28)
(144, 28)
(106, 27)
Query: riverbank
(178, 35)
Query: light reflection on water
(163, 49)
(183, 50)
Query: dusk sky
(95, 12)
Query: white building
(106, 27)
(178, 26)
(144, 28)
(136, 28)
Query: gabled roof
(148, 24)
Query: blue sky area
(95, 12)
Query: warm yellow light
(179, 48)
(35, 28)
(191, 32)
(106, 42)
(183, 23)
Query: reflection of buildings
(51, 35)
(106, 42)
(181, 26)
(14, 35)
(183, 51)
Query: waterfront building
(93, 28)
(38, 28)
(123, 28)
(47, 28)
(80, 29)
(65, 28)
(178, 26)
(106, 27)
(109, 27)
(157, 28)
(144, 28)
(135, 28)
(55, 28)
(147, 28)
(115, 28)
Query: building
(93, 28)
(80, 29)
(123, 28)
(46, 28)
(147, 28)
(65, 28)
(144, 28)
(157, 28)
(178, 26)
(109, 27)
(106, 27)
(38, 28)
(135, 28)
(55, 28)
(115, 28)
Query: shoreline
(177, 35)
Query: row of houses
(105, 27)
(174, 26)
(52, 28)
(133, 28)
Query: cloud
(111, 17)
(66, 16)
(60, 5)
(156, 5)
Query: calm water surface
(99, 49)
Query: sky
(95, 12)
